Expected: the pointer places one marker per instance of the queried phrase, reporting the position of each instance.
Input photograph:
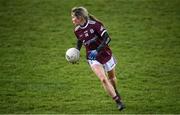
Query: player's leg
(110, 69)
(99, 71)
(113, 80)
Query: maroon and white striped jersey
(91, 36)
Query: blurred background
(36, 78)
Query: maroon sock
(117, 99)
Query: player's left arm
(105, 41)
(99, 28)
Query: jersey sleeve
(75, 34)
(79, 42)
(99, 28)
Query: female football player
(91, 33)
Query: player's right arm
(79, 44)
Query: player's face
(75, 20)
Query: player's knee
(112, 78)
(103, 80)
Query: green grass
(35, 77)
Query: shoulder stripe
(103, 32)
(76, 28)
(91, 22)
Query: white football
(72, 55)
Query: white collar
(82, 27)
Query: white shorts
(108, 66)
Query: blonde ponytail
(83, 12)
(80, 12)
(92, 17)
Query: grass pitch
(35, 77)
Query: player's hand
(75, 62)
(92, 54)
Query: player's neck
(83, 23)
